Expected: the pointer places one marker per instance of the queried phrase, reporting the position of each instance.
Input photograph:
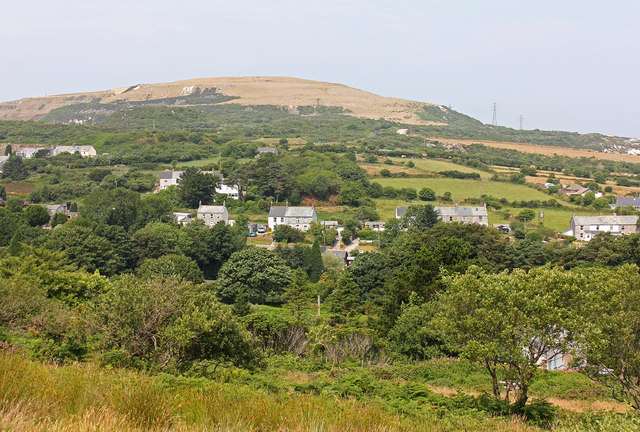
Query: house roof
(170, 175)
(268, 150)
(401, 211)
(288, 211)
(625, 201)
(605, 220)
(339, 253)
(277, 211)
(212, 209)
(461, 211)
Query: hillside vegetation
(296, 97)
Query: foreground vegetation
(39, 397)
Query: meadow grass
(437, 165)
(465, 188)
(37, 397)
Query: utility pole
(494, 122)
(521, 117)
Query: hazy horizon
(569, 66)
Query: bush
(286, 234)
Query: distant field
(546, 150)
(200, 162)
(554, 218)
(463, 188)
(437, 165)
(18, 188)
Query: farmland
(464, 188)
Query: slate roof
(277, 211)
(170, 175)
(299, 212)
(461, 211)
(625, 201)
(605, 220)
(211, 209)
(268, 150)
(401, 211)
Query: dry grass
(581, 406)
(279, 91)
(84, 397)
(546, 150)
(19, 188)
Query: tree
(117, 206)
(3, 193)
(526, 215)
(257, 272)
(14, 169)
(369, 271)
(527, 170)
(36, 215)
(414, 334)
(427, 194)
(419, 218)
(195, 187)
(509, 322)
(312, 258)
(344, 300)
(171, 323)
(297, 293)
(58, 219)
(172, 265)
(588, 198)
(608, 325)
(83, 248)
(287, 234)
(278, 179)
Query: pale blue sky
(564, 65)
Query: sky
(561, 65)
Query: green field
(437, 165)
(463, 188)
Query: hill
(288, 93)
(203, 104)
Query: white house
(212, 214)
(180, 218)
(299, 218)
(462, 214)
(29, 152)
(3, 160)
(230, 191)
(85, 151)
(169, 178)
(584, 228)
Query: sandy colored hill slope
(280, 91)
